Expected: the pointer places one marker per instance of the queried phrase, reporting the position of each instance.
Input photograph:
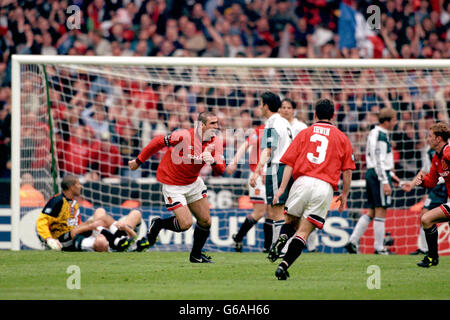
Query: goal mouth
(90, 115)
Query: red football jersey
(440, 167)
(254, 141)
(321, 151)
(181, 164)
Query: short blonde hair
(386, 114)
(441, 129)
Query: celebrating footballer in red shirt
(183, 189)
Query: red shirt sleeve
(154, 146)
(431, 178)
(446, 155)
(159, 143)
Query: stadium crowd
(213, 28)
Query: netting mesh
(35, 150)
(104, 115)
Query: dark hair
(68, 181)
(324, 109)
(293, 104)
(272, 100)
(203, 116)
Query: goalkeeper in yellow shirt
(59, 225)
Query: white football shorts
(258, 193)
(178, 196)
(446, 208)
(311, 198)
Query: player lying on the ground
(115, 235)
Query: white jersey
(297, 126)
(379, 154)
(277, 136)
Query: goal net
(89, 116)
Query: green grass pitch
(238, 276)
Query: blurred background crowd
(215, 28)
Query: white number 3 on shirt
(321, 149)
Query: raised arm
(232, 166)
(154, 146)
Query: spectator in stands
(95, 117)
(29, 196)
(75, 153)
(129, 150)
(105, 158)
(41, 158)
(47, 47)
(234, 44)
(404, 138)
(145, 96)
(102, 47)
(192, 39)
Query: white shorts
(258, 193)
(178, 196)
(311, 198)
(445, 207)
(87, 244)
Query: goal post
(140, 97)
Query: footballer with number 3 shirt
(315, 160)
(183, 189)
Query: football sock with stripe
(201, 234)
(294, 251)
(170, 223)
(268, 233)
(287, 229)
(431, 235)
(276, 229)
(245, 227)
